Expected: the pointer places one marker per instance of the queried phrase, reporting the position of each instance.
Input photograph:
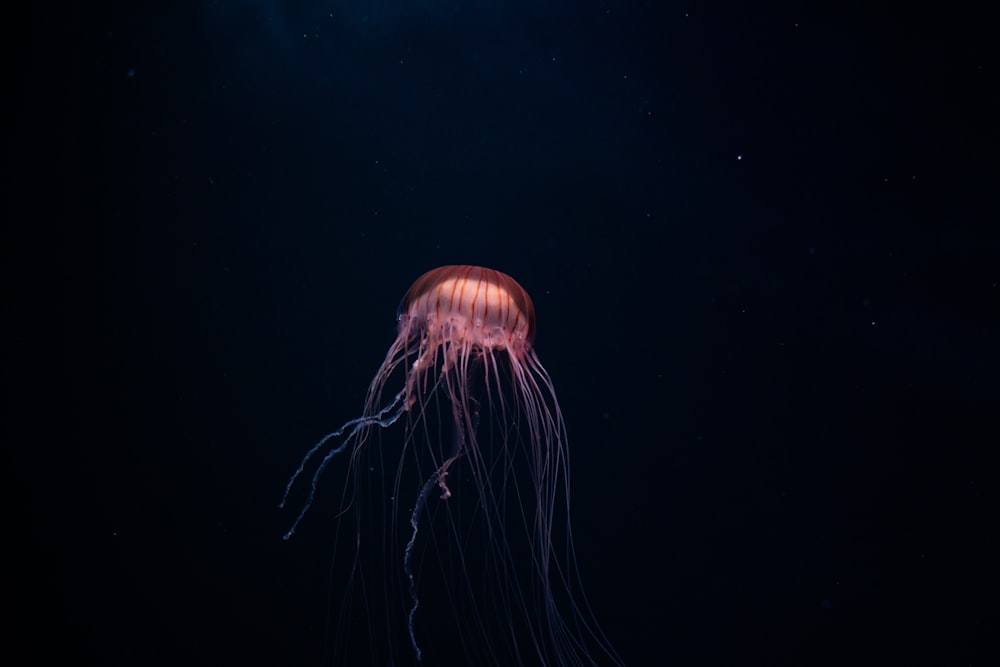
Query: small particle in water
(131, 72)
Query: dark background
(762, 243)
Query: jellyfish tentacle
(385, 417)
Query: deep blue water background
(762, 243)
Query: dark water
(761, 242)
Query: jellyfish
(457, 490)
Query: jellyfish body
(500, 553)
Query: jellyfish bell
(475, 417)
